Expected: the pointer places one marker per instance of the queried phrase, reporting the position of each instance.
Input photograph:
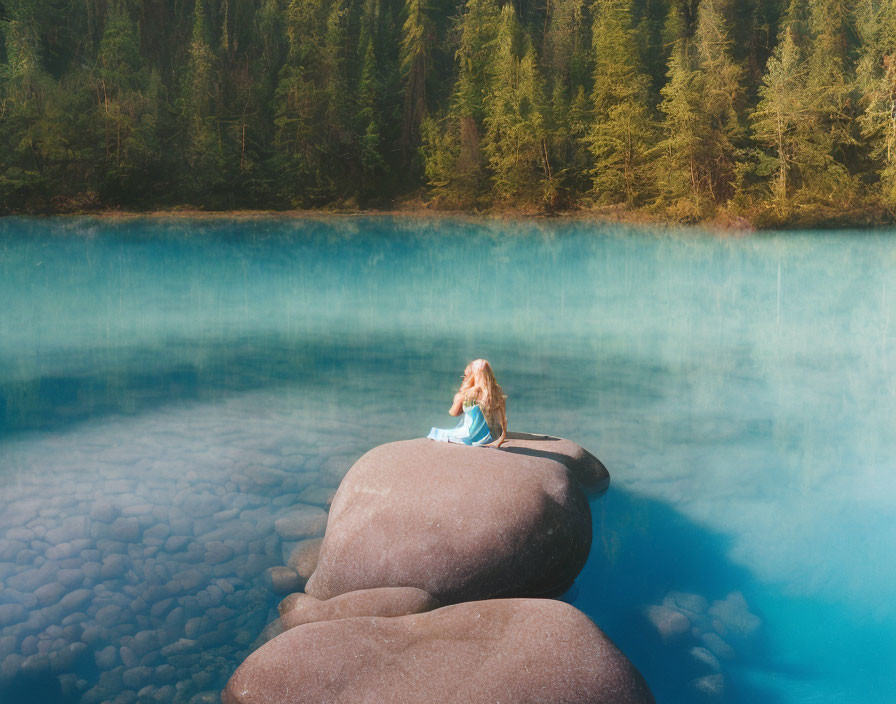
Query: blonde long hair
(479, 386)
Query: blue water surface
(169, 388)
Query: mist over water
(168, 389)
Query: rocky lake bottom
(180, 400)
(133, 554)
(136, 553)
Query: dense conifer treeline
(683, 108)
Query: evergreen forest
(779, 111)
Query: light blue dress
(471, 430)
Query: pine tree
(565, 55)
(128, 107)
(877, 86)
(22, 71)
(833, 88)
(621, 134)
(368, 94)
(300, 135)
(390, 103)
(514, 139)
(803, 112)
(678, 168)
(699, 161)
(203, 148)
(478, 38)
(334, 67)
(648, 18)
(721, 99)
(778, 119)
(22, 83)
(450, 146)
(565, 64)
(417, 37)
(679, 23)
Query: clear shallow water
(204, 377)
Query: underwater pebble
(70, 577)
(75, 599)
(135, 677)
(710, 685)
(125, 529)
(216, 552)
(106, 658)
(284, 580)
(703, 656)
(8, 645)
(668, 622)
(309, 521)
(304, 556)
(28, 581)
(26, 599)
(65, 657)
(718, 646)
(49, 593)
(733, 615)
(695, 603)
(137, 510)
(24, 535)
(114, 565)
(156, 534)
(11, 613)
(176, 543)
(108, 615)
(318, 495)
(11, 665)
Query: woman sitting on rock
(482, 403)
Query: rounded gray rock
(304, 557)
(283, 580)
(125, 529)
(304, 522)
(217, 552)
(11, 613)
(458, 522)
(511, 650)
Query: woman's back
(493, 416)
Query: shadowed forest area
(776, 111)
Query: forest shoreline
(724, 223)
(757, 115)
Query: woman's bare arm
(500, 440)
(457, 405)
(503, 430)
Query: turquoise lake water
(169, 388)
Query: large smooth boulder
(299, 609)
(585, 467)
(458, 522)
(519, 651)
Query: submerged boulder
(301, 522)
(509, 650)
(458, 522)
(299, 609)
(283, 580)
(303, 557)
